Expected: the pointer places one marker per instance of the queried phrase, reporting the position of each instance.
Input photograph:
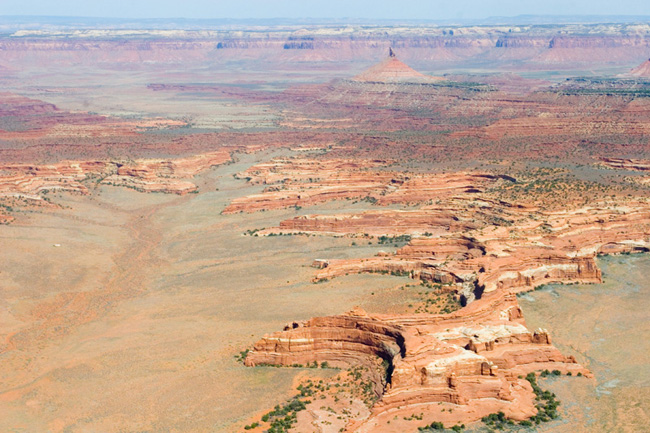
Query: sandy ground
(132, 323)
(604, 326)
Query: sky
(370, 9)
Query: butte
(393, 70)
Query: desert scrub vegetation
(394, 273)
(241, 356)
(395, 240)
(436, 299)
(314, 364)
(437, 426)
(556, 187)
(352, 384)
(546, 404)
(282, 418)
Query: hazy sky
(399, 9)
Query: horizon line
(335, 18)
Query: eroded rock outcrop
(392, 70)
(485, 250)
(304, 182)
(643, 70)
(376, 223)
(626, 164)
(545, 247)
(475, 359)
(168, 176)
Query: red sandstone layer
(544, 247)
(484, 249)
(474, 359)
(375, 223)
(626, 164)
(302, 182)
(168, 176)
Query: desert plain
(324, 228)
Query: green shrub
(436, 425)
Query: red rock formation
(557, 247)
(31, 180)
(304, 182)
(375, 223)
(626, 164)
(22, 180)
(18, 106)
(643, 70)
(460, 358)
(392, 70)
(479, 353)
(165, 176)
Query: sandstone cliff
(475, 359)
(482, 248)
(558, 45)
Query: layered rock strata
(474, 359)
(168, 176)
(375, 223)
(461, 366)
(536, 45)
(304, 182)
(545, 247)
(626, 164)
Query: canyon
(481, 249)
(408, 183)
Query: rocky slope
(538, 248)
(375, 223)
(475, 360)
(626, 164)
(643, 70)
(392, 70)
